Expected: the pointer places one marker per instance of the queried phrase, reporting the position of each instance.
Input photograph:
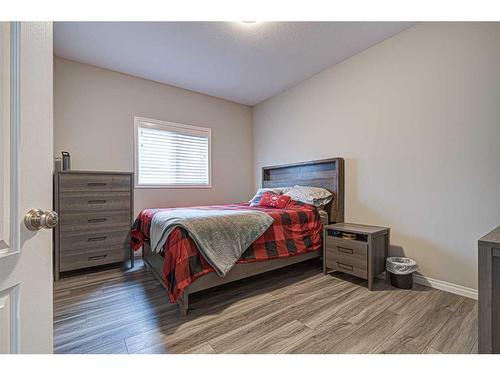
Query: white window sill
(173, 186)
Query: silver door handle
(37, 219)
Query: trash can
(401, 271)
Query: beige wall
(417, 119)
(94, 121)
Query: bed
(183, 271)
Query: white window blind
(169, 154)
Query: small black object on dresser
(95, 214)
(355, 249)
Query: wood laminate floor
(293, 310)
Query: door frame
(10, 297)
(26, 286)
(11, 213)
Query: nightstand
(355, 249)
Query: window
(171, 155)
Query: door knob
(37, 219)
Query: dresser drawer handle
(345, 250)
(94, 239)
(97, 184)
(345, 266)
(97, 201)
(100, 220)
(97, 257)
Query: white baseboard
(446, 286)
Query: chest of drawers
(489, 293)
(95, 213)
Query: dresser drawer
(77, 241)
(95, 222)
(94, 202)
(89, 258)
(88, 182)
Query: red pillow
(270, 199)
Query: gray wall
(94, 120)
(417, 118)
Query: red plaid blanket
(296, 230)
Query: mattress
(296, 230)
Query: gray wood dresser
(364, 256)
(95, 214)
(489, 293)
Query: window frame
(169, 126)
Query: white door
(26, 138)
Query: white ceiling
(242, 62)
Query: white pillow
(311, 195)
(257, 197)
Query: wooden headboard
(327, 174)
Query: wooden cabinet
(489, 293)
(363, 254)
(95, 214)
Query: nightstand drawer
(342, 246)
(347, 256)
(347, 266)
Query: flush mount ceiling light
(249, 21)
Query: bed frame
(326, 173)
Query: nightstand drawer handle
(345, 266)
(345, 250)
(96, 184)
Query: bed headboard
(327, 174)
